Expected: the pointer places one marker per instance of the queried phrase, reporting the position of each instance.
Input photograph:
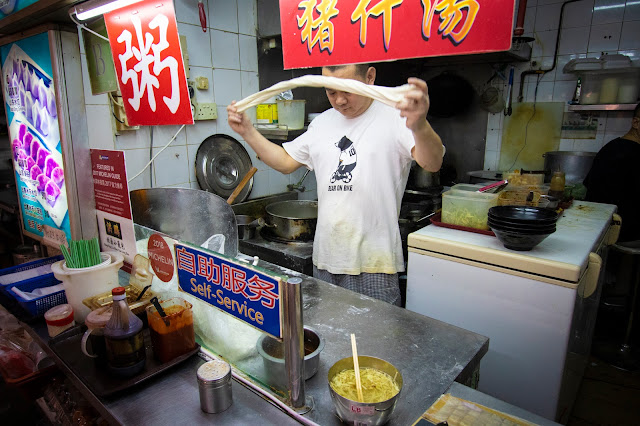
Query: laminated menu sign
(334, 32)
(32, 118)
(246, 293)
(146, 51)
(113, 207)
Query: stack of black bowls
(522, 228)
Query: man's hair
(361, 69)
(636, 112)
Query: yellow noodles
(377, 386)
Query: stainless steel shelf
(603, 107)
(280, 134)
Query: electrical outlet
(202, 83)
(119, 114)
(205, 111)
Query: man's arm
(428, 150)
(273, 155)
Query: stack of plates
(521, 228)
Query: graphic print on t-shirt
(346, 163)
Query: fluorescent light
(93, 8)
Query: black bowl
(524, 215)
(522, 228)
(518, 241)
(532, 224)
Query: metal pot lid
(221, 163)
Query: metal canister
(214, 385)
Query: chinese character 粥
(324, 34)
(450, 12)
(143, 76)
(383, 7)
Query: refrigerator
(46, 118)
(537, 307)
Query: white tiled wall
(590, 28)
(227, 55)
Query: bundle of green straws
(82, 253)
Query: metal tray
(97, 377)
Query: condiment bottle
(556, 188)
(123, 337)
(214, 386)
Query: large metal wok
(292, 220)
(188, 215)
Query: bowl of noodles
(381, 386)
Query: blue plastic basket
(25, 267)
(35, 307)
(38, 306)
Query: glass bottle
(556, 188)
(123, 337)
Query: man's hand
(415, 105)
(238, 121)
(428, 150)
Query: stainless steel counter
(430, 355)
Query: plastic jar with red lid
(59, 318)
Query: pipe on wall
(519, 28)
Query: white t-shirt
(361, 166)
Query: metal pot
(201, 214)
(423, 179)
(246, 226)
(574, 164)
(293, 220)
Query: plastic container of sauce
(173, 334)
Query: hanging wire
(150, 156)
(159, 152)
(526, 129)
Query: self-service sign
(146, 52)
(333, 32)
(247, 294)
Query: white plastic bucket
(81, 283)
(291, 114)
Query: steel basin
(362, 413)
(293, 220)
(272, 353)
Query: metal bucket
(293, 220)
(574, 164)
(188, 215)
(363, 413)
(272, 353)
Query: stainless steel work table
(430, 355)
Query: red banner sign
(333, 32)
(146, 52)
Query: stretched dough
(387, 95)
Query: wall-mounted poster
(32, 117)
(8, 7)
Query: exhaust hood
(520, 52)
